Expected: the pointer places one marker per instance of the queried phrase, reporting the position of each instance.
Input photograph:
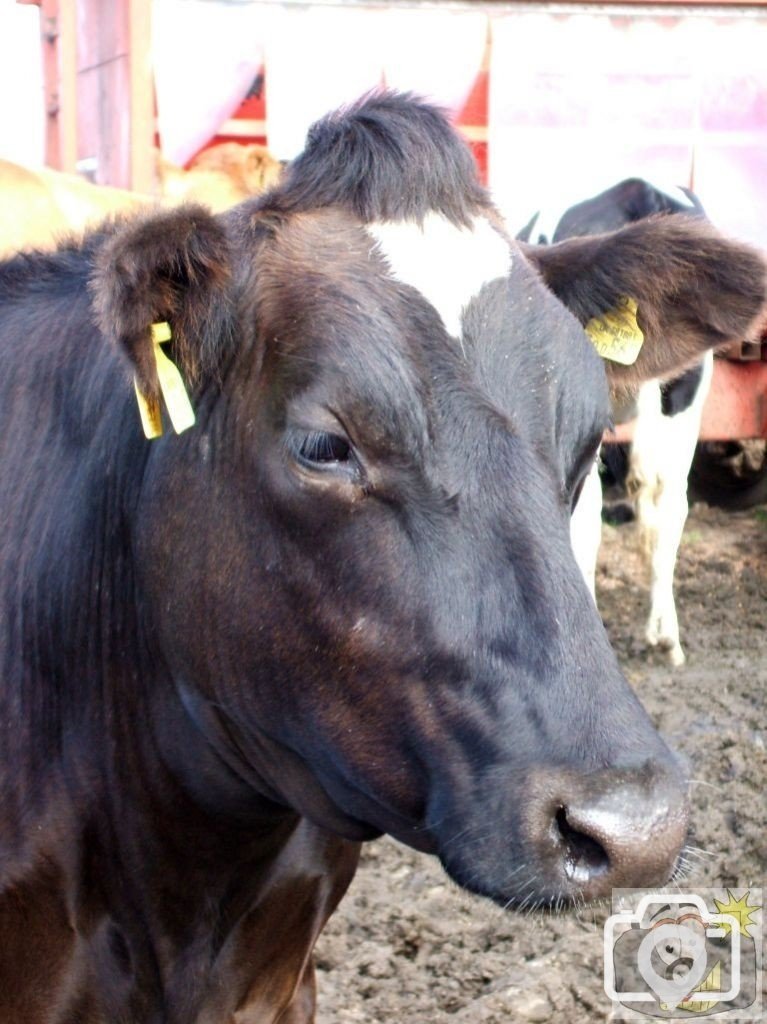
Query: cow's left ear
(172, 267)
(689, 288)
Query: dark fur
(628, 201)
(678, 394)
(224, 665)
(385, 158)
(704, 291)
(167, 267)
(625, 203)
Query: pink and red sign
(579, 101)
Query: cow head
(355, 571)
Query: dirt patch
(407, 946)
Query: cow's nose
(615, 828)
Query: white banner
(580, 101)
(320, 58)
(205, 57)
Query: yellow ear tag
(173, 391)
(616, 335)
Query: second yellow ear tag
(172, 387)
(616, 335)
(171, 382)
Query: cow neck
(209, 879)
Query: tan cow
(41, 206)
(220, 176)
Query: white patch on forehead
(448, 265)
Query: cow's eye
(321, 449)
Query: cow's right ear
(171, 267)
(689, 288)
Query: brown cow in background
(221, 176)
(41, 206)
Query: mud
(407, 946)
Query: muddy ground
(406, 946)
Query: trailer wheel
(729, 474)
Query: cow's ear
(171, 267)
(692, 290)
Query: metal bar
(670, 7)
(736, 406)
(248, 128)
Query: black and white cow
(667, 425)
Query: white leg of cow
(586, 527)
(661, 454)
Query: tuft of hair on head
(388, 157)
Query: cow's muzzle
(614, 828)
(552, 836)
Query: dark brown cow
(344, 602)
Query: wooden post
(143, 170)
(59, 49)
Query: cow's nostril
(585, 859)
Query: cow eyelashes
(320, 448)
